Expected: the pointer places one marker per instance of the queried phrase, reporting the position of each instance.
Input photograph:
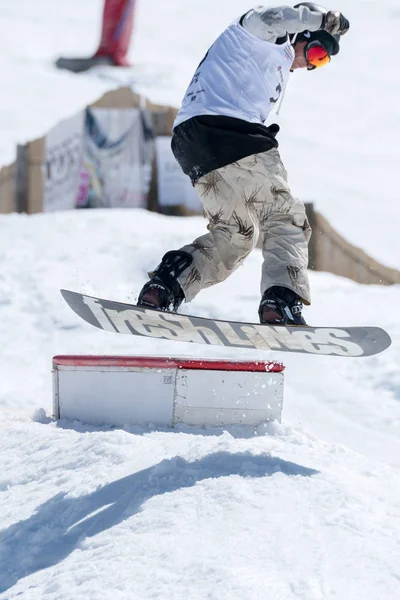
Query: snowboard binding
(280, 306)
(163, 291)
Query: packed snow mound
(141, 514)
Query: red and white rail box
(143, 390)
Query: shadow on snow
(62, 523)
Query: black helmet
(331, 42)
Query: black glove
(335, 23)
(273, 129)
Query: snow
(182, 516)
(308, 509)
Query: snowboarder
(221, 142)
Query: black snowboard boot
(163, 291)
(280, 306)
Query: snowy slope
(308, 509)
(340, 125)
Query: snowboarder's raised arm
(269, 24)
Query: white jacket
(245, 70)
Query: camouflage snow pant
(242, 201)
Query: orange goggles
(316, 55)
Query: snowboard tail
(135, 320)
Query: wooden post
(312, 246)
(21, 179)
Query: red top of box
(163, 362)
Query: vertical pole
(21, 179)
